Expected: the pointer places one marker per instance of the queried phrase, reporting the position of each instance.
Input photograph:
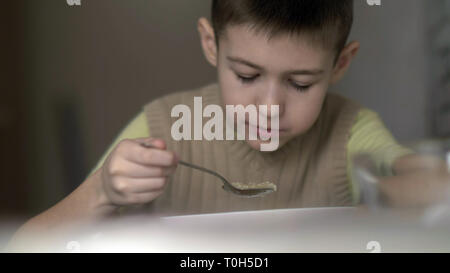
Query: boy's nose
(272, 96)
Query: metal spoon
(226, 185)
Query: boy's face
(285, 71)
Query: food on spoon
(254, 186)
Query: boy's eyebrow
(295, 72)
(242, 61)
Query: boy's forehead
(283, 49)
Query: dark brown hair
(326, 21)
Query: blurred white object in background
(344, 229)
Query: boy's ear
(207, 39)
(344, 60)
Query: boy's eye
(300, 88)
(246, 79)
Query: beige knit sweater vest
(309, 170)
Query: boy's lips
(269, 130)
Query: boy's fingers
(145, 197)
(131, 169)
(155, 142)
(147, 185)
(416, 189)
(139, 154)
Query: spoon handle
(204, 170)
(194, 166)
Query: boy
(286, 53)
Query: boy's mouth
(265, 131)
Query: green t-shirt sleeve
(136, 128)
(370, 135)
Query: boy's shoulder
(337, 103)
(337, 116)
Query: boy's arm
(411, 180)
(86, 203)
(420, 181)
(370, 136)
(137, 128)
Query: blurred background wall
(78, 74)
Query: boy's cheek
(228, 88)
(301, 126)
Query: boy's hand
(134, 174)
(421, 181)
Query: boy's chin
(256, 144)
